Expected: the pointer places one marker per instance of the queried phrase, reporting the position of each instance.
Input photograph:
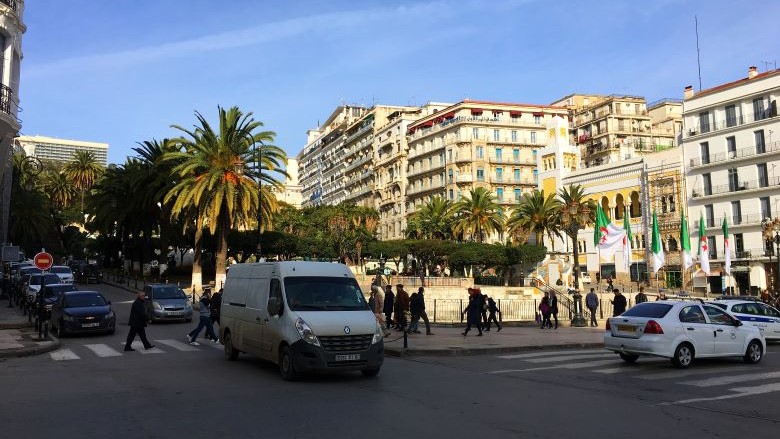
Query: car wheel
(369, 373)
(754, 352)
(230, 351)
(629, 358)
(683, 355)
(286, 366)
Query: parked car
(51, 293)
(64, 272)
(585, 278)
(35, 281)
(167, 302)
(753, 313)
(82, 311)
(682, 331)
(88, 273)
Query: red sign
(43, 261)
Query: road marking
(685, 373)
(542, 354)
(581, 365)
(178, 345)
(611, 371)
(733, 379)
(102, 350)
(569, 358)
(211, 344)
(139, 347)
(63, 354)
(740, 392)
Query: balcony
(424, 170)
(359, 132)
(752, 219)
(465, 178)
(13, 4)
(750, 185)
(513, 160)
(7, 102)
(729, 123)
(742, 153)
(420, 190)
(355, 163)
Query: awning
(498, 112)
(515, 113)
(476, 111)
(450, 115)
(538, 113)
(427, 124)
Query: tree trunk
(197, 270)
(222, 251)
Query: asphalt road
(92, 389)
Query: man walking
(618, 303)
(137, 323)
(204, 322)
(388, 306)
(216, 306)
(401, 307)
(492, 309)
(640, 296)
(419, 307)
(592, 302)
(554, 306)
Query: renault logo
(347, 330)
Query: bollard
(46, 330)
(406, 340)
(434, 310)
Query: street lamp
(259, 161)
(771, 229)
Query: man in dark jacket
(415, 310)
(474, 311)
(137, 323)
(216, 306)
(641, 297)
(618, 303)
(492, 309)
(388, 305)
(554, 306)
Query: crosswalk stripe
(569, 358)
(102, 350)
(139, 347)
(546, 353)
(732, 379)
(611, 370)
(213, 345)
(585, 364)
(740, 392)
(63, 354)
(685, 373)
(178, 345)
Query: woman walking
(474, 311)
(544, 308)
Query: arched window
(663, 204)
(619, 206)
(672, 244)
(636, 206)
(605, 205)
(671, 203)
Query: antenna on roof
(698, 50)
(766, 65)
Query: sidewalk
(449, 341)
(18, 338)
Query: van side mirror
(737, 323)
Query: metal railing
(741, 153)
(730, 122)
(13, 4)
(742, 186)
(7, 98)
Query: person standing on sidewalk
(137, 323)
(592, 302)
(204, 322)
(544, 308)
(414, 309)
(640, 296)
(423, 315)
(378, 310)
(618, 303)
(473, 311)
(388, 306)
(401, 307)
(554, 307)
(492, 309)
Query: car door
(256, 316)
(697, 330)
(772, 316)
(729, 340)
(272, 334)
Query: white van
(303, 316)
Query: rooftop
(58, 141)
(733, 84)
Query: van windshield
(315, 293)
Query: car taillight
(608, 327)
(653, 327)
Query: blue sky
(123, 71)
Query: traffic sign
(43, 261)
(387, 272)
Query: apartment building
(731, 159)
(291, 192)
(321, 161)
(390, 166)
(613, 128)
(12, 28)
(61, 150)
(476, 144)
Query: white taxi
(753, 313)
(682, 331)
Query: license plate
(175, 313)
(626, 328)
(352, 357)
(90, 325)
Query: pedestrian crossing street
(105, 350)
(734, 377)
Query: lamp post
(259, 161)
(771, 229)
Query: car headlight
(157, 306)
(68, 318)
(377, 335)
(306, 333)
(110, 315)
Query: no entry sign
(43, 261)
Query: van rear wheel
(231, 353)
(286, 366)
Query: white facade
(61, 150)
(731, 162)
(292, 186)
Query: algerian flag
(600, 225)
(726, 247)
(656, 247)
(685, 242)
(627, 237)
(704, 248)
(610, 236)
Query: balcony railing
(743, 186)
(750, 219)
(7, 98)
(513, 160)
(729, 122)
(13, 4)
(741, 153)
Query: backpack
(372, 303)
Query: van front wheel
(230, 351)
(286, 366)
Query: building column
(6, 180)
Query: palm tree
(60, 189)
(218, 180)
(535, 214)
(83, 171)
(434, 220)
(478, 215)
(575, 214)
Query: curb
(35, 350)
(22, 325)
(457, 352)
(120, 286)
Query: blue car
(82, 312)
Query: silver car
(167, 302)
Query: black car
(82, 312)
(88, 273)
(52, 292)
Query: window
(704, 121)
(449, 155)
(514, 136)
(516, 173)
(500, 194)
(717, 316)
(736, 212)
(731, 116)
(731, 146)
(537, 120)
(516, 154)
(768, 310)
(707, 180)
(452, 194)
(759, 138)
(763, 177)
(450, 176)
(475, 133)
(496, 135)
(533, 136)
(319, 293)
(692, 314)
(480, 152)
(480, 174)
(430, 163)
(739, 244)
(709, 215)
(758, 109)
(499, 174)
(275, 297)
(518, 195)
(733, 179)
(713, 248)
(766, 210)
(499, 155)
(705, 152)
(536, 176)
